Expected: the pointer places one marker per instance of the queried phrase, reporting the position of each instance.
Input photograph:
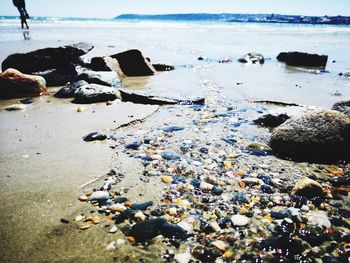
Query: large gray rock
(58, 77)
(316, 137)
(69, 90)
(106, 78)
(95, 93)
(47, 58)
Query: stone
(172, 128)
(219, 244)
(259, 149)
(271, 121)
(145, 230)
(117, 208)
(78, 218)
(69, 90)
(253, 58)
(93, 93)
(318, 218)
(308, 188)
(58, 77)
(170, 156)
(183, 257)
(166, 179)
(134, 145)
(98, 64)
(240, 220)
(173, 231)
(106, 78)
(342, 106)
(142, 206)
(15, 107)
(156, 100)
(133, 64)
(318, 136)
(302, 59)
(14, 84)
(94, 136)
(99, 196)
(140, 216)
(113, 230)
(163, 67)
(47, 58)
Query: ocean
(180, 43)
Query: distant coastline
(244, 18)
(204, 17)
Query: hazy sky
(112, 8)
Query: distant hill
(247, 18)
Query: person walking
(21, 6)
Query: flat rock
(106, 78)
(16, 84)
(271, 121)
(133, 64)
(342, 106)
(99, 196)
(253, 58)
(47, 58)
(322, 136)
(301, 59)
(69, 90)
(95, 93)
(58, 77)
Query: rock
(259, 149)
(134, 145)
(58, 77)
(183, 257)
(172, 128)
(282, 244)
(170, 156)
(166, 179)
(69, 90)
(95, 93)
(173, 232)
(340, 181)
(271, 121)
(98, 64)
(301, 59)
(221, 245)
(132, 63)
(253, 58)
(106, 78)
(318, 218)
(15, 107)
(147, 229)
(342, 106)
(140, 216)
(239, 220)
(142, 206)
(99, 196)
(113, 230)
(155, 100)
(47, 58)
(95, 136)
(162, 67)
(27, 100)
(267, 189)
(14, 84)
(316, 136)
(117, 208)
(307, 188)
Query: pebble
(170, 156)
(140, 216)
(172, 211)
(221, 245)
(308, 188)
(15, 107)
(318, 218)
(113, 229)
(166, 179)
(117, 208)
(99, 196)
(134, 145)
(145, 230)
(94, 136)
(80, 109)
(111, 246)
(183, 257)
(83, 198)
(142, 206)
(173, 231)
(240, 220)
(85, 226)
(172, 128)
(205, 186)
(259, 149)
(78, 218)
(96, 220)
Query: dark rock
(47, 58)
(307, 188)
(340, 181)
(106, 78)
(196, 182)
(316, 136)
(205, 254)
(266, 179)
(142, 206)
(157, 212)
(259, 149)
(147, 229)
(132, 63)
(69, 90)
(95, 136)
(240, 198)
(27, 101)
(253, 58)
(58, 77)
(134, 145)
(127, 214)
(217, 190)
(64, 221)
(14, 84)
(230, 141)
(170, 156)
(267, 189)
(285, 244)
(95, 93)
(204, 150)
(301, 59)
(278, 103)
(172, 128)
(154, 100)
(120, 200)
(162, 67)
(173, 232)
(342, 106)
(98, 64)
(271, 121)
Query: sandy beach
(45, 165)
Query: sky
(112, 8)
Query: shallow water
(182, 43)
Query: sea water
(180, 43)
